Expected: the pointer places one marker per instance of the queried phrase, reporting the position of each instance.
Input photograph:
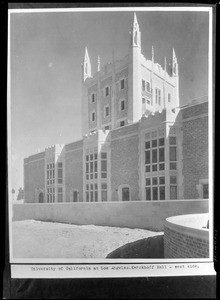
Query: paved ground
(36, 239)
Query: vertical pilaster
(167, 163)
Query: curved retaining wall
(132, 214)
(184, 236)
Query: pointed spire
(86, 66)
(174, 54)
(152, 53)
(135, 33)
(135, 22)
(98, 69)
(174, 64)
(86, 57)
(165, 63)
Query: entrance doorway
(41, 198)
(125, 193)
(75, 196)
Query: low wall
(185, 237)
(134, 214)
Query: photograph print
(110, 117)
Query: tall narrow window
(60, 194)
(93, 98)
(107, 91)
(159, 97)
(104, 191)
(148, 86)
(96, 192)
(93, 117)
(173, 187)
(122, 105)
(205, 191)
(60, 172)
(173, 154)
(103, 165)
(106, 114)
(122, 84)
(143, 85)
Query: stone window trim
(120, 187)
(107, 87)
(122, 120)
(120, 104)
(146, 86)
(199, 186)
(92, 113)
(158, 95)
(120, 85)
(106, 108)
(91, 99)
(106, 125)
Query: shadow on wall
(152, 247)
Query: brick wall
(124, 165)
(34, 177)
(74, 173)
(185, 242)
(195, 149)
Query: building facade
(137, 142)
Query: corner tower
(134, 80)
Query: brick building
(137, 142)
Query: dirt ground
(36, 239)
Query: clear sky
(46, 54)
